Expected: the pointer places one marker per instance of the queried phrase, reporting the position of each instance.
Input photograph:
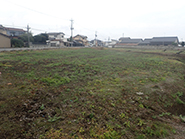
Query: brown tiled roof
(15, 29)
(81, 36)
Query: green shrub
(17, 43)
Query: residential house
(4, 41)
(56, 39)
(2, 29)
(15, 32)
(96, 42)
(114, 41)
(111, 43)
(81, 39)
(164, 41)
(56, 36)
(128, 41)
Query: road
(21, 49)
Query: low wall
(152, 47)
(38, 46)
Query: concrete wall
(38, 46)
(153, 47)
(4, 41)
(44, 46)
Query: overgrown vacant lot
(92, 93)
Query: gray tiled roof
(146, 41)
(131, 40)
(164, 39)
(123, 38)
(55, 33)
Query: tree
(41, 38)
(175, 44)
(24, 37)
(45, 35)
(182, 44)
(17, 43)
(71, 39)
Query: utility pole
(95, 38)
(71, 32)
(28, 28)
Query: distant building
(56, 35)
(4, 41)
(56, 39)
(145, 42)
(14, 32)
(164, 41)
(128, 41)
(111, 44)
(156, 41)
(96, 42)
(81, 39)
(124, 39)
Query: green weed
(56, 80)
(53, 119)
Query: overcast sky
(110, 18)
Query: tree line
(22, 40)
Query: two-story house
(56, 35)
(56, 39)
(96, 42)
(14, 32)
(81, 39)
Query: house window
(12, 33)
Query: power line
(87, 29)
(34, 10)
(38, 29)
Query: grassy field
(92, 93)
